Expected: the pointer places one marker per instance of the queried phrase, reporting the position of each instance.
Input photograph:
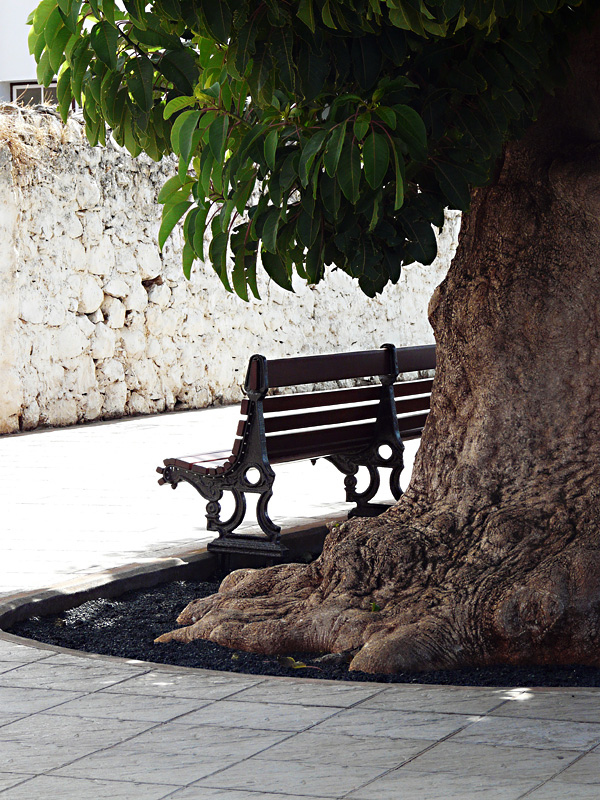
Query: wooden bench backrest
(335, 420)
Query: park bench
(360, 426)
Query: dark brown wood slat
(312, 444)
(414, 422)
(413, 359)
(186, 462)
(407, 404)
(212, 467)
(331, 367)
(330, 397)
(315, 419)
(405, 388)
(414, 433)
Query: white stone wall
(96, 323)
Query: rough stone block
(114, 312)
(91, 295)
(69, 342)
(116, 287)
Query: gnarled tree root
(416, 598)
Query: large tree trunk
(493, 554)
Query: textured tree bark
(493, 554)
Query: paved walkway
(84, 500)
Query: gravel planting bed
(127, 626)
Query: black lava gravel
(128, 625)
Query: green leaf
(275, 268)
(180, 68)
(109, 101)
(334, 148)
(70, 17)
(140, 74)
(217, 253)
(376, 156)
(270, 148)
(79, 69)
(199, 228)
(187, 260)
(170, 218)
(190, 119)
(42, 12)
(238, 275)
(270, 228)
(218, 18)
(454, 185)
(44, 71)
(177, 104)
(174, 184)
(57, 47)
(308, 227)
(217, 136)
(326, 14)
(103, 38)
(361, 125)
(411, 129)
(63, 93)
(306, 13)
(349, 171)
(308, 154)
(189, 137)
(387, 115)
(282, 43)
(399, 178)
(313, 69)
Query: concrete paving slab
(401, 785)
(552, 734)
(37, 744)
(186, 683)
(311, 692)
(147, 708)
(170, 754)
(394, 724)
(584, 770)
(493, 762)
(8, 779)
(294, 777)
(50, 786)
(444, 699)
(260, 716)
(556, 791)
(85, 676)
(339, 748)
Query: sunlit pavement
(83, 502)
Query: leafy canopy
(309, 132)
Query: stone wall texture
(96, 323)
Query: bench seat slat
(216, 467)
(186, 462)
